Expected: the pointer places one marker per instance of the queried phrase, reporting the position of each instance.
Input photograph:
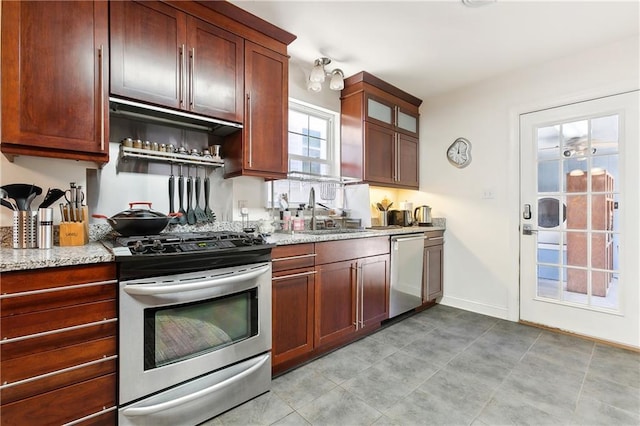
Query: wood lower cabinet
(336, 302)
(58, 345)
(352, 296)
(293, 310)
(55, 79)
(261, 148)
(432, 266)
(325, 295)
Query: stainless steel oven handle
(152, 289)
(152, 409)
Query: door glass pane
(407, 122)
(609, 298)
(548, 143)
(548, 176)
(379, 111)
(550, 283)
(604, 170)
(577, 248)
(604, 135)
(575, 171)
(576, 286)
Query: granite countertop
(96, 252)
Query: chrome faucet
(312, 204)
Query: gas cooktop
(181, 252)
(185, 243)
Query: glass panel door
(579, 242)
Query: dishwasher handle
(413, 237)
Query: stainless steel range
(195, 325)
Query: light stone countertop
(95, 252)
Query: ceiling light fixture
(318, 75)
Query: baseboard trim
(479, 308)
(581, 336)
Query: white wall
(481, 249)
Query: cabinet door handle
(301, 256)
(101, 84)
(181, 68)
(354, 278)
(361, 279)
(397, 137)
(301, 274)
(250, 130)
(192, 66)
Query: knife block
(75, 233)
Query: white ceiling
(430, 47)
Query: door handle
(528, 230)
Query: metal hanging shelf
(310, 177)
(169, 157)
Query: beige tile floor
(446, 366)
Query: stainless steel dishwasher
(406, 273)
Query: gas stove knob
(138, 247)
(157, 246)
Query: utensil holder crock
(25, 229)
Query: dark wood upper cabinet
(148, 47)
(163, 56)
(261, 148)
(55, 79)
(216, 65)
(379, 133)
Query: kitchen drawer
(56, 319)
(51, 341)
(39, 279)
(60, 380)
(293, 257)
(337, 251)
(63, 405)
(56, 298)
(433, 238)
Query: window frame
(332, 118)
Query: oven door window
(179, 332)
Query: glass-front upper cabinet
(388, 114)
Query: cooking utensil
(53, 195)
(182, 219)
(138, 221)
(20, 192)
(211, 216)
(6, 201)
(172, 192)
(191, 215)
(200, 214)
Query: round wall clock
(459, 153)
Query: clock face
(459, 153)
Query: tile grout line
(584, 379)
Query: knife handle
(172, 184)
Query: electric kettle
(422, 215)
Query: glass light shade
(337, 80)
(317, 73)
(314, 86)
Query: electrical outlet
(488, 194)
(242, 204)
